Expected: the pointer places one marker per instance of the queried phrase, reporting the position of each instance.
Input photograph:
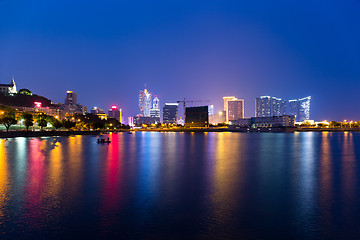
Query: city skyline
(185, 50)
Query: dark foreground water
(153, 185)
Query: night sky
(201, 50)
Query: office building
(170, 113)
(211, 110)
(300, 108)
(155, 110)
(96, 110)
(235, 109)
(266, 122)
(71, 98)
(266, 106)
(115, 112)
(197, 116)
(215, 119)
(145, 102)
(140, 121)
(226, 99)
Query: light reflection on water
(152, 185)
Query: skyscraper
(170, 113)
(266, 106)
(71, 98)
(226, 99)
(235, 109)
(211, 109)
(300, 108)
(115, 112)
(278, 107)
(145, 102)
(155, 110)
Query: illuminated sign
(38, 104)
(114, 107)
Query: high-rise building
(170, 113)
(278, 107)
(226, 99)
(300, 108)
(145, 102)
(211, 110)
(235, 109)
(266, 106)
(197, 116)
(71, 98)
(155, 110)
(115, 112)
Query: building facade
(266, 122)
(226, 99)
(155, 110)
(266, 106)
(197, 116)
(235, 109)
(170, 111)
(145, 102)
(115, 112)
(71, 98)
(300, 108)
(8, 88)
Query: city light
(114, 107)
(37, 104)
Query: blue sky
(201, 50)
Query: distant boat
(102, 140)
(129, 132)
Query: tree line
(10, 117)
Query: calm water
(152, 185)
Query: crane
(190, 101)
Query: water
(151, 185)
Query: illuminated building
(217, 118)
(96, 110)
(266, 106)
(8, 88)
(211, 110)
(235, 109)
(71, 106)
(131, 121)
(226, 99)
(170, 113)
(145, 102)
(197, 116)
(266, 122)
(115, 112)
(140, 120)
(102, 116)
(155, 111)
(300, 108)
(71, 98)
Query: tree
(42, 120)
(28, 120)
(68, 124)
(7, 117)
(54, 122)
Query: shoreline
(13, 134)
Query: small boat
(129, 132)
(102, 140)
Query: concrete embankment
(309, 129)
(12, 134)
